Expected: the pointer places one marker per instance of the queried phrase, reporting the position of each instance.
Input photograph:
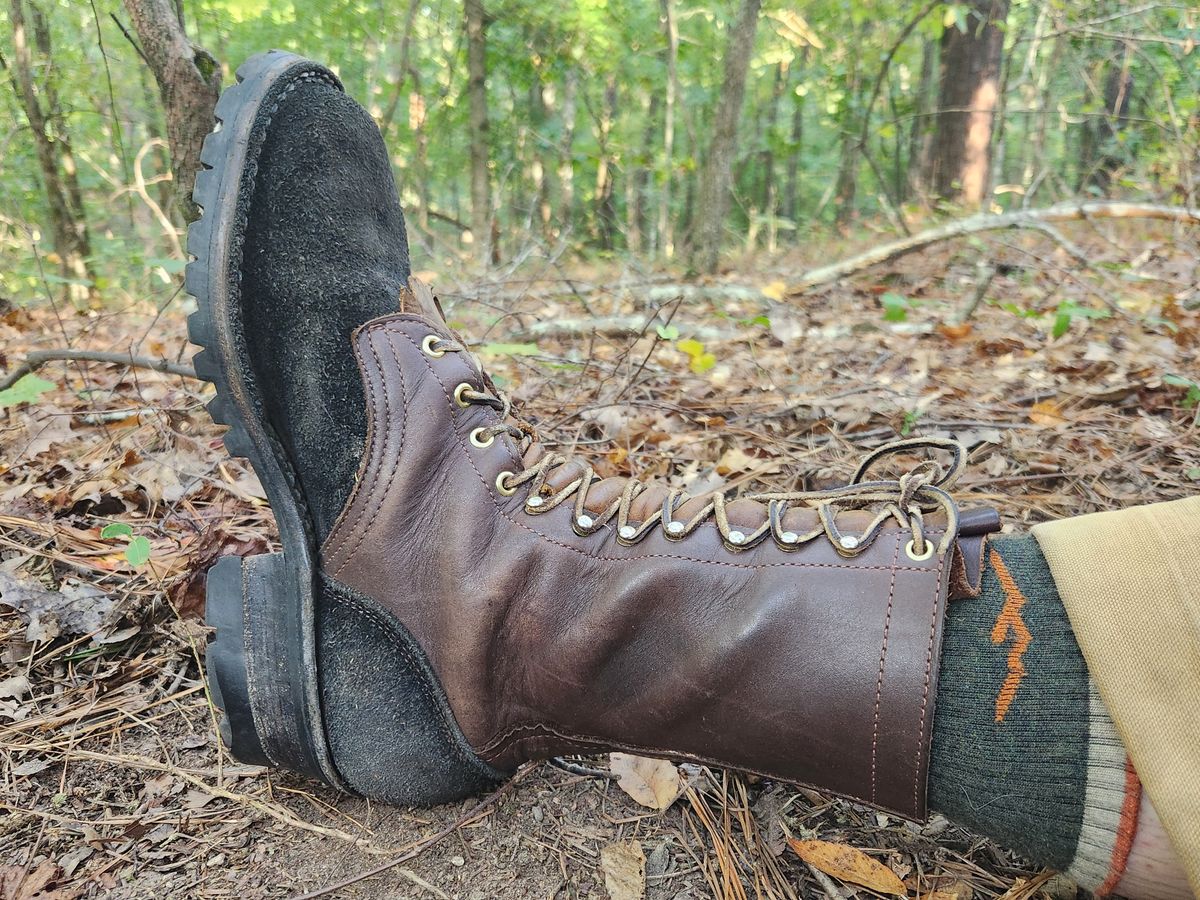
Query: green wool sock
(1023, 750)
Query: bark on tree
(189, 81)
(967, 98)
(481, 195)
(68, 222)
(666, 234)
(716, 181)
(1102, 158)
(605, 210)
(566, 154)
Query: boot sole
(262, 662)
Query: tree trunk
(715, 183)
(791, 199)
(1103, 158)
(566, 162)
(666, 233)
(481, 199)
(605, 212)
(970, 87)
(68, 225)
(189, 81)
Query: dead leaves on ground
(847, 863)
(654, 783)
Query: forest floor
(112, 779)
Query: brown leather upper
(805, 665)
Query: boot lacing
(905, 499)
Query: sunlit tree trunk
(67, 220)
(967, 99)
(189, 80)
(666, 231)
(566, 165)
(716, 180)
(481, 195)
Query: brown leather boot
(464, 600)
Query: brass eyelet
(479, 441)
(912, 553)
(458, 394)
(503, 486)
(429, 350)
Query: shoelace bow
(906, 499)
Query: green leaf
(690, 346)
(764, 321)
(116, 529)
(910, 421)
(1062, 324)
(702, 362)
(667, 332)
(28, 389)
(895, 307)
(1194, 473)
(138, 551)
(510, 349)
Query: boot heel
(230, 659)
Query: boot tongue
(416, 298)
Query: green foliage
(578, 88)
(1191, 399)
(895, 307)
(1068, 311)
(28, 389)
(699, 359)
(137, 547)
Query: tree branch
(38, 358)
(1036, 219)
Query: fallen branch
(38, 358)
(612, 326)
(1037, 219)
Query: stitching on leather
(933, 619)
(394, 639)
(548, 731)
(382, 495)
(346, 524)
(887, 624)
(802, 565)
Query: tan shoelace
(905, 499)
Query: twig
(37, 358)
(1026, 218)
(419, 847)
(984, 274)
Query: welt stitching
(346, 524)
(408, 655)
(381, 496)
(712, 562)
(937, 596)
(887, 624)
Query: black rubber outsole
(262, 662)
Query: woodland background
(721, 243)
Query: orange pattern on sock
(1009, 622)
(1126, 829)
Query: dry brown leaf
(624, 867)
(654, 783)
(849, 864)
(1047, 412)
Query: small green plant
(895, 307)
(137, 548)
(910, 421)
(1068, 311)
(1191, 400)
(667, 332)
(28, 389)
(699, 359)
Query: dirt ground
(112, 781)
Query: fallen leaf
(850, 864)
(30, 767)
(654, 783)
(1047, 412)
(75, 609)
(955, 333)
(624, 867)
